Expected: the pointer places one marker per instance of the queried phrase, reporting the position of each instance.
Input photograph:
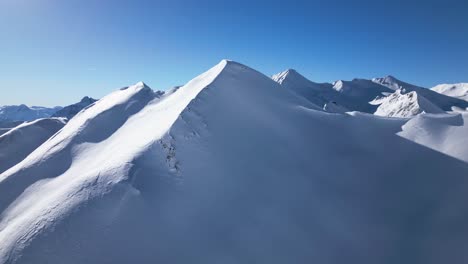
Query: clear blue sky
(53, 52)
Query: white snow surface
(20, 141)
(71, 110)
(447, 133)
(231, 168)
(442, 101)
(353, 95)
(457, 90)
(400, 104)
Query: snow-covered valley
(238, 167)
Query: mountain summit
(71, 110)
(231, 168)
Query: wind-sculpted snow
(20, 141)
(447, 133)
(231, 168)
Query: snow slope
(458, 90)
(20, 141)
(6, 126)
(230, 168)
(447, 133)
(442, 101)
(25, 113)
(71, 110)
(399, 104)
(352, 95)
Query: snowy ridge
(71, 110)
(20, 141)
(442, 101)
(458, 90)
(230, 168)
(400, 104)
(352, 95)
(95, 138)
(25, 113)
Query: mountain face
(25, 113)
(440, 100)
(20, 141)
(458, 90)
(71, 110)
(317, 93)
(353, 95)
(233, 168)
(400, 104)
(6, 126)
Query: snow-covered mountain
(71, 110)
(6, 126)
(458, 90)
(25, 113)
(353, 95)
(317, 93)
(20, 141)
(442, 101)
(233, 168)
(400, 104)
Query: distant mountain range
(14, 113)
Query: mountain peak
(87, 99)
(287, 74)
(402, 104)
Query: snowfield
(459, 90)
(236, 167)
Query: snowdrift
(447, 133)
(231, 168)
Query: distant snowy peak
(390, 82)
(293, 79)
(444, 102)
(457, 90)
(317, 93)
(71, 110)
(24, 113)
(400, 104)
(360, 88)
(288, 74)
(348, 95)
